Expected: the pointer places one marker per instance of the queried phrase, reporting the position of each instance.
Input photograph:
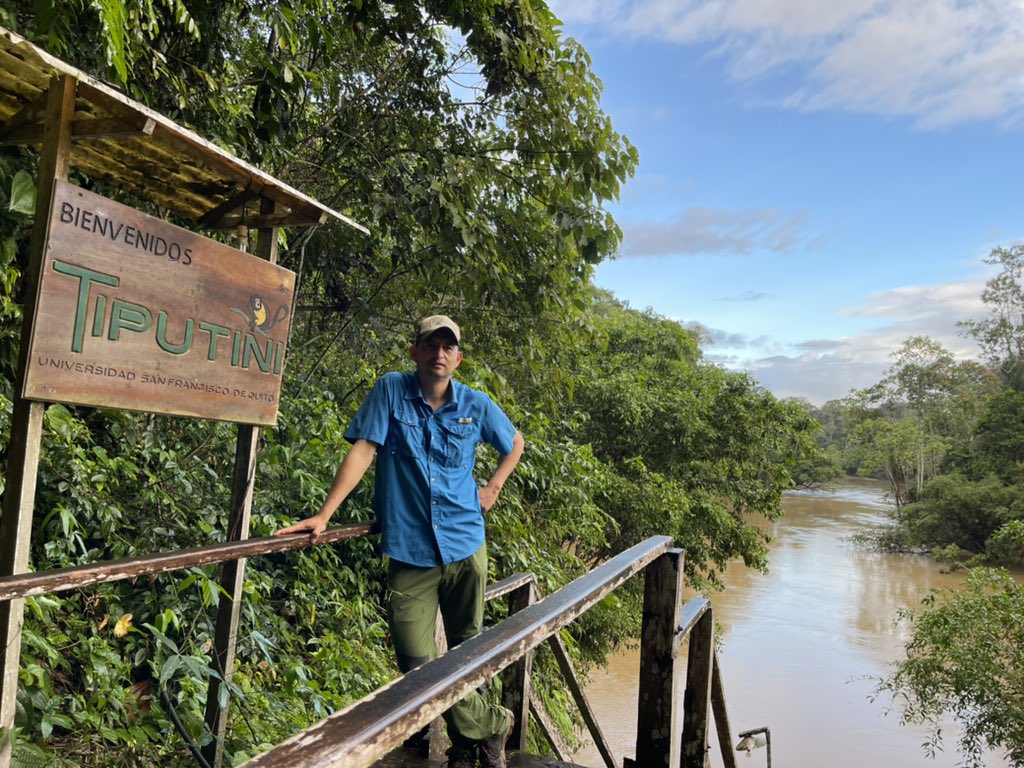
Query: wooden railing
(61, 579)
(374, 726)
(361, 734)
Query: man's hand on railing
(315, 525)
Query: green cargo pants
(414, 595)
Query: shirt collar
(413, 390)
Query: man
(423, 427)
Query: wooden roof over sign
(133, 148)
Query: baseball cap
(434, 323)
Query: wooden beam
(549, 729)
(656, 733)
(62, 579)
(229, 606)
(81, 130)
(216, 217)
(576, 689)
(32, 114)
(284, 219)
(721, 712)
(697, 697)
(516, 679)
(27, 417)
(233, 574)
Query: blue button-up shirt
(425, 497)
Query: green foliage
(17, 205)
(924, 410)
(999, 447)
(954, 510)
(694, 448)
(965, 657)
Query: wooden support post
(578, 695)
(721, 712)
(233, 572)
(27, 418)
(436, 736)
(697, 698)
(515, 680)
(657, 743)
(547, 726)
(229, 607)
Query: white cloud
(703, 230)
(589, 11)
(827, 369)
(747, 296)
(941, 62)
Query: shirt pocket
(460, 442)
(406, 435)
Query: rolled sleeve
(373, 419)
(497, 429)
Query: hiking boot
(419, 742)
(461, 758)
(492, 750)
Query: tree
(966, 656)
(1000, 438)
(894, 449)
(937, 403)
(1001, 334)
(694, 448)
(954, 511)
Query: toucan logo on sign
(120, 323)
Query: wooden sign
(136, 313)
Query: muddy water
(801, 644)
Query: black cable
(180, 728)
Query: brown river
(801, 644)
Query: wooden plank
(289, 218)
(81, 130)
(211, 218)
(510, 584)
(515, 680)
(26, 422)
(697, 697)
(32, 114)
(656, 732)
(22, 585)
(721, 712)
(233, 575)
(362, 733)
(576, 689)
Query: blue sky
(818, 181)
